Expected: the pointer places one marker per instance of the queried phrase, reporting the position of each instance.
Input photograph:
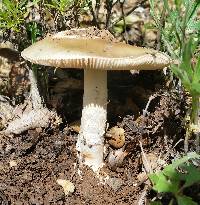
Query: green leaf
(185, 200)
(197, 70)
(128, 20)
(170, 172)
(118, 29)
(183, 76)
(152, 11)
(193, 25)
(189, 76)
(166, 5)
(162, 184)
(192, 10)
(192, 174)
(187, 55)
(169, 179)
(11, 15)
(189, 156)
(195, 88)
(178, 3)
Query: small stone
(13, 163)
(116, 158)
(67, 186)
(115, 183)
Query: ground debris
(164, 118)
(6, 110)
(116, 158)
(115, 183)
(31, 120)
(30, 115)
(66, 185)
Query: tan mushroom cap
(72, 50)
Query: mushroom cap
(93, 49)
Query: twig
(148, 170)
(177, 143)
(161, 25)
(195, 120)
(141, 200)
(97, 8)
(130, 11)
(124, 21)
(93, 14)
(148, 103)
(171, 202)
(197, 142)
(146, 163)
(109, 6)
(187, 136)
(75, 13)
(116, 1)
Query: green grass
(179, 29)
(12, 14)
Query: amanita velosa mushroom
(96, 52)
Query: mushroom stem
(90, 142)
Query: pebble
(115, 183)
(67, 186)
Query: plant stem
(195, 108)
(195, 120)
(171, 202)
(130, 11)
(187, 136)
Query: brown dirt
(31, 163)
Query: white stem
(90, 142)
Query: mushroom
(96, 52)
(116, 137)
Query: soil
(31, 163)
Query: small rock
(67, 186)
(116, 158)
(13, 163)
(115, 183)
